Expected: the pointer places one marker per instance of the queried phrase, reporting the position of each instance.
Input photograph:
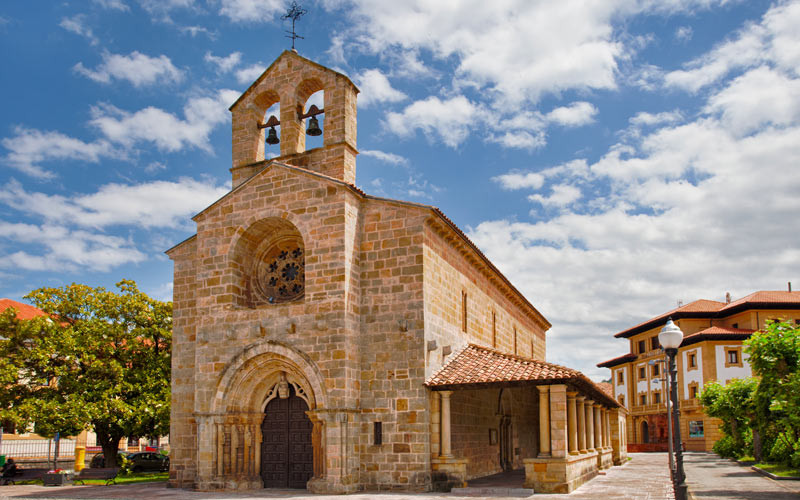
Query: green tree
(775, 359)
(734, 405)
(101, 360)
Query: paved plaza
(645, 477)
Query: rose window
(280, 273)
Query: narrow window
(377, 436)
(692, 360)
(643, 399)
(656, 397)
(494, 329)
(733, 357)
(515, 340)
(464, 311)
(642, 346)
(620, 377)
(656, 370)
(654, 343)
(642, 372)
(736, 325)
(692, 391)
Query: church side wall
(392, 355)
(183, 430)
(448, 274)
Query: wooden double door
(286, 449)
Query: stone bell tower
(290, 81)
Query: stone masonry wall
(449, 273)
(392, 359)
(183, 430)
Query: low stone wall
(560, 475)
(605, 458)
(448, 473)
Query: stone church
(336, 341)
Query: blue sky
(611, 157)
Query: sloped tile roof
(24, 311)
(607, 388)
(765, 298)
(617, 361)
(717, 333)
(477, 366)
(698, 308)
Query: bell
(313, 127)
(272, 136)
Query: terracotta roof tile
(717, 333)
(479, 366)
(24, 311)
(700, 307)
(765, 298)
(607, 388)
(617, 361)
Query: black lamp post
(670, 338)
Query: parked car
(148, 461)
(99, 461)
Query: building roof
(717, 333)
(617, 361)
(481, 367)
(712, 309)
(607, 388)
(24, 311)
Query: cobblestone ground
(644, 478)
(709, 476)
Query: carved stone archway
(261, 373)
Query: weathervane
(294, 13)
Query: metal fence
(37, 448)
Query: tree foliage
(734, 405)
(101, 359)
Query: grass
(134, 477)
(746, 459)
(779, 470)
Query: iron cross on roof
(294, 13)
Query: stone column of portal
(581, 424)
(598, 428)
(572, 423)
(446, 450)
(589, 425)
(544, 420)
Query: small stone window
(463, 311)
(642, 346)
(643, 399)
(377, 433)
(656, 397)
(620, 377)
(733, 356)
(642, 373)
(656, 370)
(654, 343)
(692, 360)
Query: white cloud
(774, 40)
(165, 130)
(450, 119)
(156, 204)
(29, 147)
(574, 115)
(64, 249)
(644, 118)
(683, 34)
(760, 96)
(390, 158)
(193, 31)
(375, 88)
(249, 74)
(160, 10)
(562, 195)
(251, 10)
(112, 4)
(224, 64)
(137, 68)
(519, 180)
(77, 24)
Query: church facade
(336, 341)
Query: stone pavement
(710, 476)
(644, 478)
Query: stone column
(558, 420)
(607, 427)
(581, 424)
(589, 425)
(598, 428)
(544, 420)
(446, 450)
(572, 423)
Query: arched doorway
(287, 454)
(645, 432)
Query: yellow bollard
(80, 458)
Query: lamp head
(670, 336)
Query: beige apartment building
(336, 341)
(711, 351)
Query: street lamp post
(670, 441)
(670, 338)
